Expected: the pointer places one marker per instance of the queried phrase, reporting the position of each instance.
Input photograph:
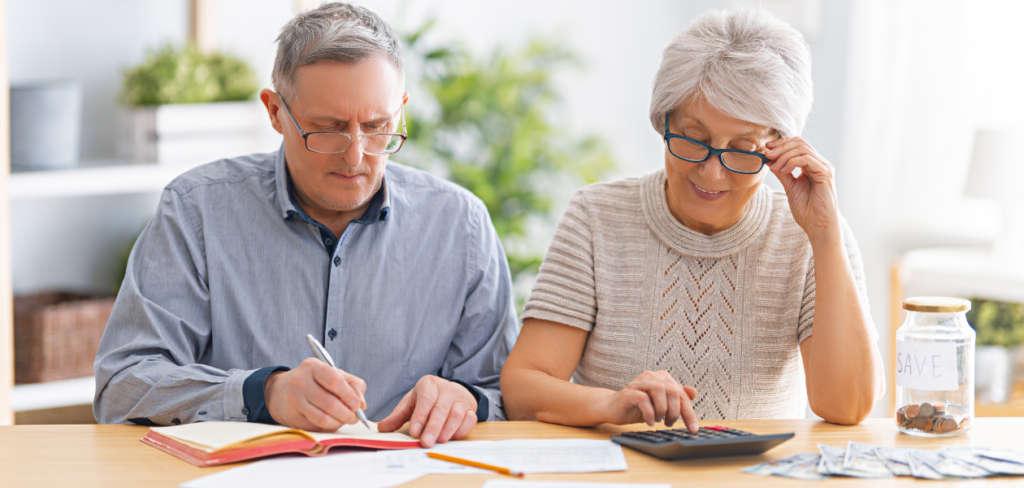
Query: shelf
(121, 179)
(54, 394)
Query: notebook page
(218, 435)
(359, 431)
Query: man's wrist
(254, 395)
(482, 403)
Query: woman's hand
(652, 397)
(812, 193)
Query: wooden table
(71, 456)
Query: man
(400, 275)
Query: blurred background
(917, 104)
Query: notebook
(213, 443)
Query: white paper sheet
(340, 469)
(567, 484)
(528, 456)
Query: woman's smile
(706, 194)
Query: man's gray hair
(337, 32)
(746, 63)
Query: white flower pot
(192, 134)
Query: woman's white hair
(746, 63)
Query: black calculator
(707, 442)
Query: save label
(926, 366)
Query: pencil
(466, 462)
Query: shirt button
(332, 334)
(337, 260)
(245, 410)
(176, 421)
(328, 241)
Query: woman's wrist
(826, 239)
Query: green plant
(997, 323)
(493, 130)
(186, 75)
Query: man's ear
(272, 102)
(405, 98)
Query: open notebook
(212, 443)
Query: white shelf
(54, 394)
(119, 179)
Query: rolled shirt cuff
(254, 402)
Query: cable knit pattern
(723, 313)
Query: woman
(693, 292)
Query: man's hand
(652, 397)
(314, 397)
(439, 410)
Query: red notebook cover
(286, 441)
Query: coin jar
(935, 368)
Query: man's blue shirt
(230, 275)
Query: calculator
(707, 442)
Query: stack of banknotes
(867, 461)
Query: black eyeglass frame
(305, 135)
(712, 151)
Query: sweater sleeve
(565, 291)
(857, 263)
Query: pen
(321, 354)
(466, 462)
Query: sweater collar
(690, 242)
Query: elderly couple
(693, 292)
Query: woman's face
(705, 196)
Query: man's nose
(353, 155)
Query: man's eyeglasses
(694, 151)
(372, 144)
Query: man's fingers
(399, 415)
(335, 381)
(329, 404)
(320, 420)
(438, 417)
(426, 396)
(455, 417)
(467, 425)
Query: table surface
(111, 455)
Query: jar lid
(936, 304)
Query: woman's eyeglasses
(694, 151)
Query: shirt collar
(380, 204)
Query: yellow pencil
(466, 462)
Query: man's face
(337, 97)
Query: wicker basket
(56, 335)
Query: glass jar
(935, 368)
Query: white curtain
(921, 77)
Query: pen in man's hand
(321, 354)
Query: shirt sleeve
(565, 291)
(146, 366)
(488, 327)
(806, 322)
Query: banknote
(949, 466)
(806, 469)
(831, 459)
(919, 468)
(895, 459)
(861, 461)
(979, 456)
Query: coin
(920, 424)
(927, 410)
(946, 425)
(939, 406)
(913, 410)
(965, 423)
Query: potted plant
(185, 106)
(1000, 329)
